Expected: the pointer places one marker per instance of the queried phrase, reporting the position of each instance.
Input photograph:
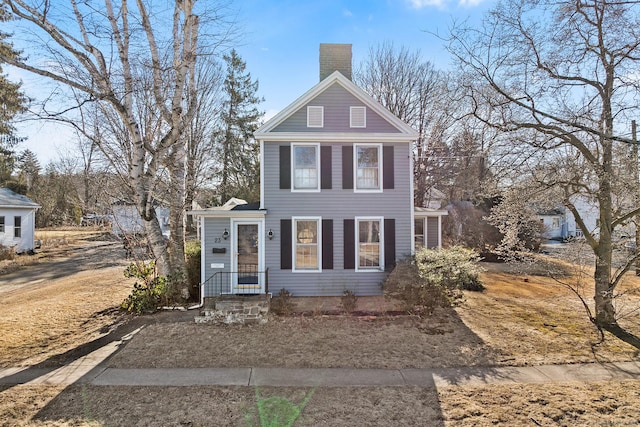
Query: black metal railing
(246, 281)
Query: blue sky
(280, 42)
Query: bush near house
(433, 278)
(192, 251)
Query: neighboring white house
(127, 220)
(17, 221)
(561, 224)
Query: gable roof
(11, 199)
(405, 132)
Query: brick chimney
(335, 57)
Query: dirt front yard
(518, 320)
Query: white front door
(248, 264)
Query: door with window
(248, 271)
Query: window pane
(419, 233)
(1, 224)
(305, 166)
(369, 243)
(367, 157)
(367, 172)
(17, 223)
(306, 237)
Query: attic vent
(358, 117)
(315, 117)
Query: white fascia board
(228, 214)
(337, 137)
(434, 212)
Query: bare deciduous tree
(110, 52)
(561, 79)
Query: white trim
(363, 109)
(337, 137)
(226, 213)
(337, 77)
(318, 220)
(234, 249)
(412, 201)
(203, 263)
(355, 168)
(380, 219)
(292, 167)
(261, 174)
(315, 112)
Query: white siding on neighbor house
(336, 101)
(336, 204)
(27, 229)
(127, 220)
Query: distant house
(17, 221)
(336, 206)
(560, 223)
(127, 220)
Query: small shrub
(433, 278)
(283, 304)
(192, 251)
(148, 293)
(348, 300)
(7, 253)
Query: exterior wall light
(225, 234)
(270, 234)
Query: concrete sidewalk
(91, 369)
(322, 377)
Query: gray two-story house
(336, 208)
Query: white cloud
(347, 13)
(470, 3)
(419, 4)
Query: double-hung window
(368, 171)
(369, 243)
(17, 227)
(1, 224)
(306, 242)
(306, 167)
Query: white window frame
(364, 117)
(312, 113)
(355, 168)
(293, 168)
(294, 251)
(17, 228)
(380, 220)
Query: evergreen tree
(238, 151)
(12, 100)
(29, 168)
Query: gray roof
(11, 199)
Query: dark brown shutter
(325, 168)
(349, 244)
(327, 244)
(387, 167)
(389, 243)
(347, 167)
(285, 244)
(285, 167)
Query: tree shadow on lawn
(450, 342)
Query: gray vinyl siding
(212, 236)
(336, 102)
(336, 204)
(431, 231)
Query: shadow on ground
(173, 340)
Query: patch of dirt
(66, 305)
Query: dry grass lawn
(514, 322)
